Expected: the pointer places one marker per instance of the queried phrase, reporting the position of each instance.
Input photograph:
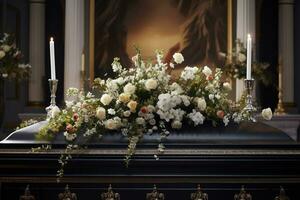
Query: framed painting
(199, 29)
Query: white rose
(111, 124)
(140, 121)
(2, 54)
(151, 84)
(55, 111)
(6, 48)
(132, 106)
(106, 99)
(242, 57)
(101, 113)
(127, 113)
(124, 97)
(129, 88)
(201, 104)
(267, 114)
(227, 86)
(207, 71)
(211, 97)
(178, 58)
(176, 124)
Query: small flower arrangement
(142, 100)
(236, 67)
(11, 65)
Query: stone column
(245, 24)
(286, 48)
(74, 42)
(36, 51)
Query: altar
(221, 160)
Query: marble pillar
(245, 23)
(286, 48)
(36, 51)
(74, 42)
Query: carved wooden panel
(199, 194)
(27, 195)
(155, 195)
(110, 194)
(243, 195)
(67, 195)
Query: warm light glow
(51, 39)
(249, 36)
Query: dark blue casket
(220, 158)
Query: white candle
(52, 59)
(82, 62)
(249, 50)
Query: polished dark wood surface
(220, 167)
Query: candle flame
(51, 39)
(249, 36)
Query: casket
(221, 159)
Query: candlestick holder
(82, 80)
(53, 89)
(249, 108)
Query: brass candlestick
(280, 107)
(53, 89)
(249, 86)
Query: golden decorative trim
(155, 195)
(110, 194)
(229, 28)
(243, 195)
(27, 195)
(92, 41)
(67, 195)
(199, 194)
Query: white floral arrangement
(144, 100)
(11, 65)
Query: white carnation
(69, 104)
(207, 71)
(196, 117)
(189, 73)
(267, 114)
(178, 58)
(106, 99)
(151, 84)
(129, 88)
(69, 136)
(111, 111)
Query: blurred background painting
(196, 28)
